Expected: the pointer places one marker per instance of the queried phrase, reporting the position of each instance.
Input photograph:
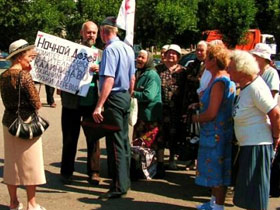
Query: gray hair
(202, 43)
(245, 62)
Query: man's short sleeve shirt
(117, 62)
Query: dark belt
(118, 91)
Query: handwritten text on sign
(63, 64)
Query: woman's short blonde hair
(245, 62)
(220, 53)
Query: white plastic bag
(133, 112)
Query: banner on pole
(63, 64)
(125, 19)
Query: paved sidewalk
(178, 191)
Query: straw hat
(17, 47)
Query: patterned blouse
(29, 101)
(172, 85)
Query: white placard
(63, 64)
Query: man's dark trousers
(71, 123)
(49, 93)
(117, 143)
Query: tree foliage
(268, 17)
(164, 20)
(22, 19)
(12, 21)
(94, 10)
(233, 18)
(157, 22)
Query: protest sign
(63, 64)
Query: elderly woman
(253, 131)
(23, 158)
(172, 85)
(215, 118)
(262, 53)
(148, 94)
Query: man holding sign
(74, 108)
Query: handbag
(133, 112)
(33, 127)
(99, 130)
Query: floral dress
(214, 154)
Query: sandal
(19, 207)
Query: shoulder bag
(34, 127)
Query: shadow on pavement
(54, 184)
(4, 207)
(102, 151)
(128, 203)
(177, 186)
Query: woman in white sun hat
(172, 84)
(262, 53)
(23, 158)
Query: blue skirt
(253, 177)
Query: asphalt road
(177, 191)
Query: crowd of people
(235, 93)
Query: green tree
(204, 10)
(22, 19)
(233, 18)
(94, 10)
(66, 11)
(268, 17)
(12, 18)
(160, 22)
(274, 28)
